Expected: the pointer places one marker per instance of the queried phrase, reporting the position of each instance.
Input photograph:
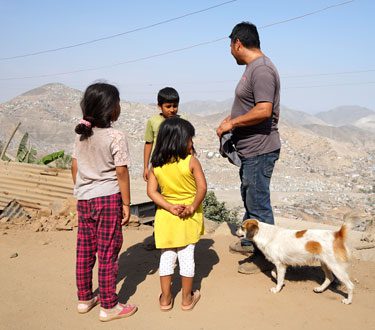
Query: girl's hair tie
(85, 122)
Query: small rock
(210, 154)
(14, 255)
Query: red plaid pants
(99, 231)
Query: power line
(309, 14)
(332, 85)
(118, 34)
(171, 51)
(327, 74)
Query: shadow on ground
(304, 274)
(136, 263)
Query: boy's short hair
(168, 95)
(247, 34)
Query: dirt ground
(38, 289)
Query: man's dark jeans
(255, 174)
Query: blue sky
(307, 51)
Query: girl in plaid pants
(102, 188)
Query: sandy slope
(38, 290)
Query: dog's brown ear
(251, 227)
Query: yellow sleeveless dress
(177, 186)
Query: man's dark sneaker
(242, 247)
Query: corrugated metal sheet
(14, 210)
(34, 186)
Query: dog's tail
(339, 246)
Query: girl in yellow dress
(179, 216)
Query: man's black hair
(247, 34)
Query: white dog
(285, 247)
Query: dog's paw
(318, 289)
(346, 301)
(275, 289)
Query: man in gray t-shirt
(253, 123)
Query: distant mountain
(366, 123)
(347, 133)
(53, 101)
(216, 110)
(298, 118)
(357, 131)
(49, 114)
(344, 115)
(206, 108)
(288, 116)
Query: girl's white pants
(185, 257)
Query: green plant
(64, 162)
(217, 211)
(25, 154)
(51, 157)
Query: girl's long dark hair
(172, 141)
(98, 104)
